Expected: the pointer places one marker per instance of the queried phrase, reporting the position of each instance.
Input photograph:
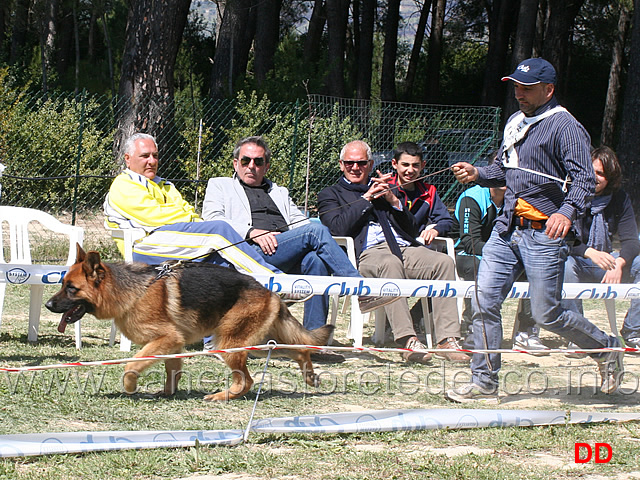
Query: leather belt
(521, 222)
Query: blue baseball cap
(532, 71)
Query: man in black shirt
(264, 213)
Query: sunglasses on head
(257, 161)
(351, 163)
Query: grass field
(64, 401)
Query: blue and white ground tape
(358, 422)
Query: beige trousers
(418, 263)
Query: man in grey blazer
(263, 213)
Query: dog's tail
(289, 330)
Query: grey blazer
(226, 200)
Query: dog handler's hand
(464, 172)
(265, 239)
(557, 226)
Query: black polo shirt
(264, 212)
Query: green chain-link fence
(58, 149)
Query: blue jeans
(310, 250)
(580, 269)
(543, 259)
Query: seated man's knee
(319, 230)
(312, 264)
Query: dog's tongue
(63, 324)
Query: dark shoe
(417, 357)
(611, 371)
(369, 304)
(470, 392)
(451, 343)
(325, 356)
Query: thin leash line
(391, 187)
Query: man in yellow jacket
(139, 198)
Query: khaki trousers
(418, 263)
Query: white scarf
(515, 131)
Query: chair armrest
(129, 235)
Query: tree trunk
(65, 51)
(337, 17)
(229, 61)
(76, 48)
(365, 50)
(562, 14)
(19, 31)
(613, 90)
(629, 144)
(107, 40)
(388, 80)
(523, 45)
(352, 46)
(47, 10)
(415, 51)
(267, 36)
(435, 51)
(502, 18)
(91, 37)
(311, 52)
(152, 39)
(4, 21)
(541, 27)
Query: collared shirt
(558, 146)
(264, 212)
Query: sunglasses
(351, 163)
(257, 161)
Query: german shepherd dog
(163, 313)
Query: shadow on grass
(183, 395)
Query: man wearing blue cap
(544, 161)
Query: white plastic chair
(427, 314)
(17, 220)
(356, 325)
(129, 235)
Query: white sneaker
(633, 343)
(531, 343)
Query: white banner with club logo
(317, 285)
